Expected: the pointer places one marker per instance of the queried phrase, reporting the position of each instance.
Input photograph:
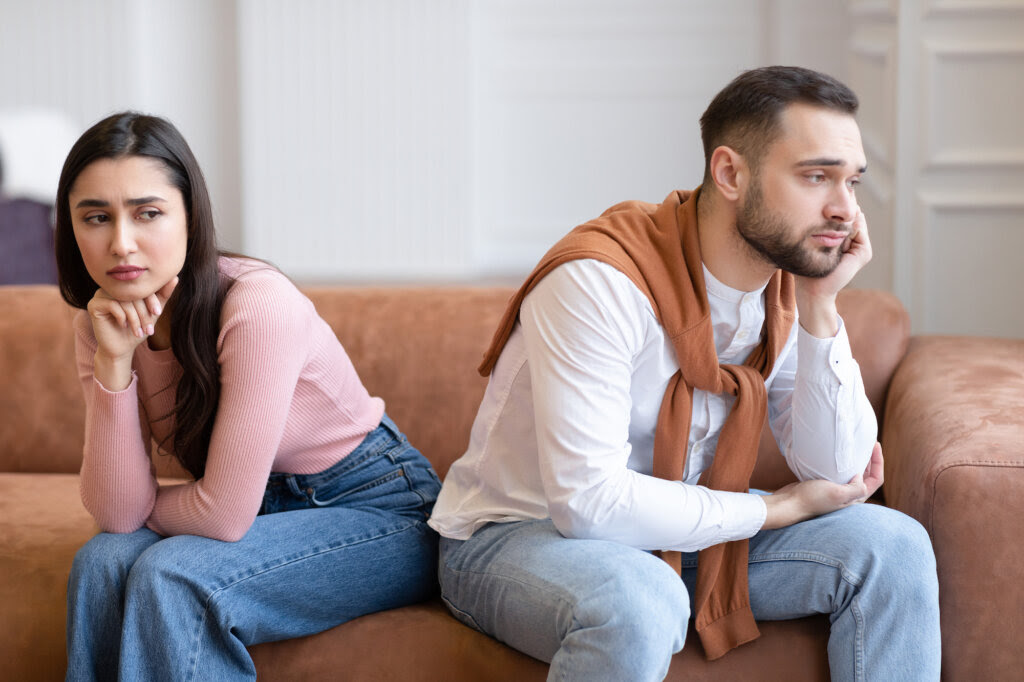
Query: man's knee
(647, 606)
(895, 550)
(905, 550)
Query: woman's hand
(119, 328)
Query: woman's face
(131, 225)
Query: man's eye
(853, 182)
(816, 178)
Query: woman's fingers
(133, 311)
(101, 307)
(155, 302)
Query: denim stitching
(210, 599)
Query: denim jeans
(326, 548)
(599, 610)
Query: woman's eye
(149, 214)
(96, 219)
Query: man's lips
(126, 272)
(830, 237)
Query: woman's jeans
(599, 610)
(326, 548)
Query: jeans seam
(858, 618)
(848, 577)
(210, 599)
(554, 594)
(813, 557)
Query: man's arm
(583, 326)
(818, 410)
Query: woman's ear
(729, 172)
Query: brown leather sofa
(951, 429)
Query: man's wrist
(818, 315)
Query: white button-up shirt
(566, 426)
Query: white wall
(447, 140)
(85, 59)
(410, 140)
(943, 86)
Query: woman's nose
(122, 240)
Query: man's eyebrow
(100, 203)
(824, 161)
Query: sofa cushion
(42, 525)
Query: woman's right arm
(118, 485)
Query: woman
(308, 506)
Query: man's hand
(816, 297)
(119, 328)
(805, 500)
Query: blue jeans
(326, 548)
(598, 610)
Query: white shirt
(566, 426)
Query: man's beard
(766, 234)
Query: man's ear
(729, 172)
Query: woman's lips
(126, 272)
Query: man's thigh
(814, 566)
(528, 586)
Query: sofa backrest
(416, 347)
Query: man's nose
(842, 206)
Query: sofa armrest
(954, 449)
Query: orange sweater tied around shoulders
(657, 246)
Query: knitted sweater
(290, 402)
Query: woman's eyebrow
(100, 203)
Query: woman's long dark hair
(196, 302)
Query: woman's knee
(110, 556)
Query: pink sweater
(290, 402)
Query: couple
(603, 499)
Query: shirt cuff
(821, 357)
(127, 390)
(748, 512)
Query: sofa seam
(957, 465)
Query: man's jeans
(326, 548)
(598, 610)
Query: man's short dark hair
(745, 114)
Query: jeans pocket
(391, 482)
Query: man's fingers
(874, 475)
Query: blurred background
(436, 141)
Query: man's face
(799, 206)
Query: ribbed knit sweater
(291, 401)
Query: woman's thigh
(299, 572)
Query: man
(628, 383)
